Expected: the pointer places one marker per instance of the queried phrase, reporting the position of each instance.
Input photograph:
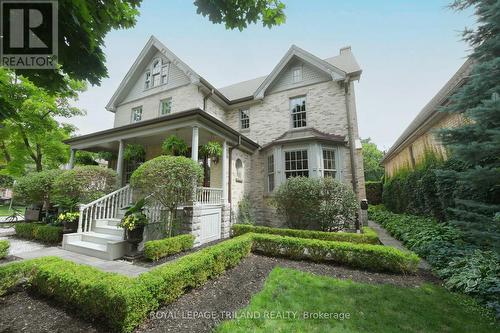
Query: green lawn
(371, 308)
(4, 210)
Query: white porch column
(225, 167)
(71, 163)
(119, 163)
(194, 144)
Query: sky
(407, 50)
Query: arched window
(239, 170)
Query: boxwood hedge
(156, 249)
(41, 232)
(368, 236)
(4, 248)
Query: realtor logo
(28, 31)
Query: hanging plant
(174, 146)
(212, 150)
(134, 152)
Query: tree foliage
(238, 14)
(82, 185)
(31, 138)
(477, 143)
(82, 27)
(372, 158)
(168, 180)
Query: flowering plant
(134, 216)
(68, 217)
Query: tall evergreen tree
(477, 143)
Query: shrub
(463, 267)
(316, 203)
(36, 187)
(368, 236)
(83, 184)
(374, 192)
(157, 249)
(168, 282)
(174, 146)
(169, 180)
(41, 232)
(4, 248)
(246, 211)
(366, 256)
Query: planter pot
(134, 237)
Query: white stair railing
(104, 208)
(209, 196)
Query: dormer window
(297, 74)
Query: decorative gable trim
(152, 46)
(295, 51)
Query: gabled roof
(305, 134)
(337, 67)
(296, 52)
(430, 114)
(151, 48)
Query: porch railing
(208, 196)
(104, 207)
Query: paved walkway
(26, 249)
(387, 240)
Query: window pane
(329, 169)
(298, 111)
(244, 119)
(166, 106)
(296, 164)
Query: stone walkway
(387, 240)
(26, 249)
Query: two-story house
(300, 120)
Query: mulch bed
(233, 290)
(24, 312)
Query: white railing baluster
(104, 208)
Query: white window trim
(241, 119)
(291, 113)
(338, 168)
(271, 172)
(147, 81)
(132, 120)
(164, 63)
(296, 148)
(161, 104)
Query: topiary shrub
(316, 203)
(373, 192)
(169, 181)
(36, 187)
(83, 184)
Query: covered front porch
(208, 214)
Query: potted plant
(69, 221)
(133, 222)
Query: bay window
(329, 167)
(296, 163)
(270, 173)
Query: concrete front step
(99, 238)
(109, 230)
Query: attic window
(297, 74)
(156, 72)
(147, 82)
(164, 72)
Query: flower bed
(368, 236)
(463, 267)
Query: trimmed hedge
(156, 249)
(366, 256)
(41, 232)
(4, 248)
(167, 283)
(368, 236)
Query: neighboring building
(420, 136)
(300, 120)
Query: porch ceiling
(154, 131)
